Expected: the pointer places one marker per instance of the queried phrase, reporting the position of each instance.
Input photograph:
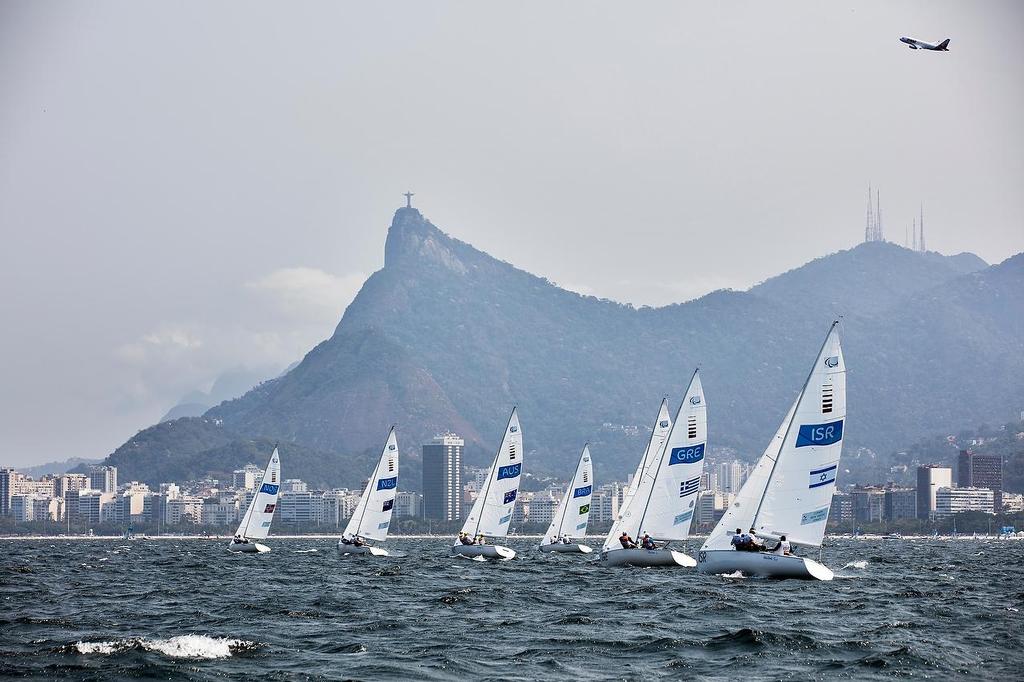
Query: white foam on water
(734, 574)
(306, 551)
(861, 565)
(199, 647)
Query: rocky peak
(414, 240)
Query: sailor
(465, 539)
(565, 539)
(648, 543)
(345, 540)
(626, 541)
(554, 540)
(738, 540)
(756, 543)
(480, 539)
(783, 548)
(358, 541)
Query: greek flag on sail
(689, 487)
(823, 476)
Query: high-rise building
(408, 505)
(841, 510)
(442, 478)
(900, 503)
(949, 501)
(103, 478)
(65, 483)
(977, 470)
(731, 476)
(9, 480)
(868, 504)
(931, 477)
(247, 477)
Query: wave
(860, 565)
(182, 646)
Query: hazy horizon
(188, 189)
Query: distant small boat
(789, 492)
(255, 524)
(491, 514)
(665, 499)
(573, 512)
(372, 516)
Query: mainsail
(791, 489)
(492, 511)
(256, 522)
(666, 498)
(573, 513)
(372, 515)
(655, 444)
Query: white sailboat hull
(761, 564)
(250, 547)
(365, 550)
(485, 551)
(562, 548)
(647, 557)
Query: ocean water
(187, 609)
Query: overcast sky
(191, 187)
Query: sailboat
(372, 516)
(491, 514)
(255, 524)
(665, 497)
(570, 520)
(790, 489)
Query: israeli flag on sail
(823, 476)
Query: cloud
(309, 292)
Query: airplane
(921, 45)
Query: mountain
(58, 467)
(230, 384)
(446, 337)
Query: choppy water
(188, 609)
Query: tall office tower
(931, 477)
(442, 478)
(975, 470)
(9, 487)
(103, 478)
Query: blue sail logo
(510, 471)
(820, 434)
(269, 488)
(686, 455)
(387, 483)
(582, 492)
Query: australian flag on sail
(510, 471)
(509, 496)
(388, 504)
(581, 492)
(689, 487)
(822, 476)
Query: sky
(190, 188)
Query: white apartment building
(949, 501)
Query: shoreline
(334, 536)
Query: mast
(675, 423)
(572, 482)
(490, 475)
(374, 475)
(789, 426)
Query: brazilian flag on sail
(584, 508)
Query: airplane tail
(944, 45)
